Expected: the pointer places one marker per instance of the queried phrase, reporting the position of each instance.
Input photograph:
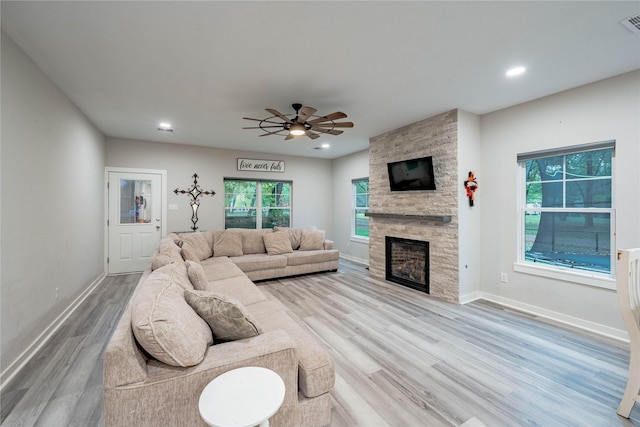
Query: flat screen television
(414, 174)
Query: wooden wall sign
(261, 165)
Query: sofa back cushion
(169, 247)
(252, 242)
(227, 243)
(312, 240)
(197, 246)
(162, 321)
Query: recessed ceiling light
(515, 71)
(164, 126)
(325, 145)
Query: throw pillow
(164, 324)
(311, 240)
(277, 243)
(227, 317)
(196, 275)
(227, 243)
(294, 235)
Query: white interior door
(134, 220)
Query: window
(567, 213)
(256, 204)
(360, 224)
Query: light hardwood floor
(402, 359)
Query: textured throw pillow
(277, 243)
(227, 317)
(196, 275)
(311, 240)
(227, 243)
(164, 324)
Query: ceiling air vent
(632, 23)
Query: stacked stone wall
(437, 137)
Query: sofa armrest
(328, 244)
(124, 362)
(172, 393)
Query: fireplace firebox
(407, 262)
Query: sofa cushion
(259, 262)
(311, 240)
(221, 270)
(227, 243)
(252, 242)
(164, 324)
(196, 275)
(198, 244)
(311, 257)
(277, 243)
(227, 317)
(295, 234)
(240, 288)
(316, 373)
(169, 247)
(160, 260)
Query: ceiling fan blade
(312, 135)
(289, 137)
(276, 113)
(329, 131)
(270, 133)
(305, 113)
(264, 121)
(329, 117)
(334, 125)
(263, 127)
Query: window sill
(359, 239)
(583, 278)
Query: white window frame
(596, 279)
(354, 237)
(259, 199)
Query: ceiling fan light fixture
(297, 129)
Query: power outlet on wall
(504, 278)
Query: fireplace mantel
(410, 217)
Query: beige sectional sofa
(196, 314)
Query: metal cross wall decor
(195, 192)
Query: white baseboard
(16, 366)
(586, 325)
(354, 259)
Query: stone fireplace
(428, 215)
(407, 262)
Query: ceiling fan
(303, 122)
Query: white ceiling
(205, 65)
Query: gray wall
(345, 170)
(52, 203)
(601, 111)
(312, 180)
(469, 217)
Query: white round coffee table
(243, 397)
